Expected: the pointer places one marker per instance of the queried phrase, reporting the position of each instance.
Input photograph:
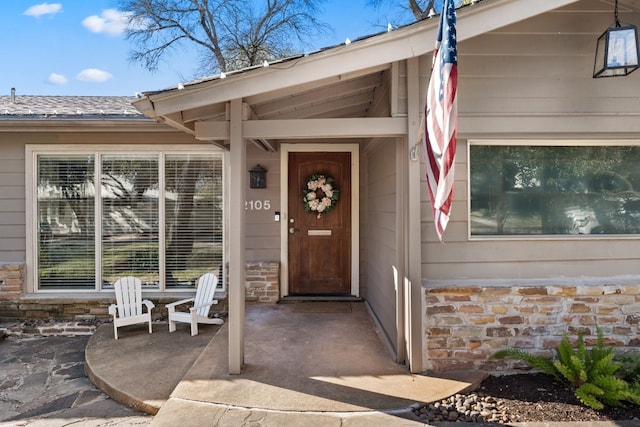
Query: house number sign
(257, 205)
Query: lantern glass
(617, 52)
(258, 177)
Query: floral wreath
(319, 194)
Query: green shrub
(629, 366)
(630, 369)
(591, 373)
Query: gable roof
(182, 107)
(67, 107)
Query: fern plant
(591, 373)
(630, 366)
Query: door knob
(292, 230)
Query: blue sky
(76, 47)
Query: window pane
(525, 190)
(65, 209)
(130, 218)
(193, 212)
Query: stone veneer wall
(262, 284)
(79, 309)
(262, 281)
(464, 326)
(11, 279)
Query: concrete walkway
(306, 364)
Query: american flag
(441, 119)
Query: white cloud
(93, 75)
(111, 21)
(57, 79)
(43, 9)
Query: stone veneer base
(262, 285)
(464, 325)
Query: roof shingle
(65, 107)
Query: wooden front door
(319, 243)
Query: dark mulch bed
(539, 397)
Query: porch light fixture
(258, 177)
(617, 50)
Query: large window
(547, 189)
(160, 218)
(193, 218)
(130, 212)
(66, 221)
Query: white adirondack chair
(199, 312)
(128, 307)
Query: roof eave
(408, 42)
(81, 125)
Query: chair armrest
(182, 301)
(215, 301)
(113, 309)
(148, 303)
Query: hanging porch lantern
(617, 50)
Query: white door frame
(354, 149)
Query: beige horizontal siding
(11, 192)
(12, 206)
(262, 231)
(531, 80)
(552, 269)
(381, 214)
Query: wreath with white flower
(319, 194)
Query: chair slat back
(129, 296)
(205, 292)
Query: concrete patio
(311, 363)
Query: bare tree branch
(228, 34)
(420, 12)
(417, 9)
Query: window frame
(32, 151)
(541, 143)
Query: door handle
(292, 230)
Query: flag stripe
(441, 119)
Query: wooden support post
(237, 190)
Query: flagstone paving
(43, 383)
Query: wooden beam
(175, 121)
(204, 113)
(265, 145)
(325, 128)
(212, 130)
(327, 93)
(376, 126)
(325, 107)
(315, 85)
(306, 128)
(221, 144)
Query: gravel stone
(520, 398)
